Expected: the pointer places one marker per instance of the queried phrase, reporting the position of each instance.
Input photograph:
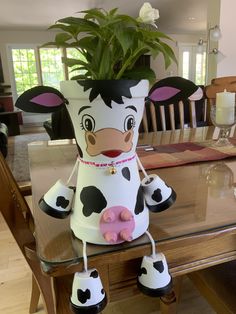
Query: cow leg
(87, 291)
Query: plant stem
(123, 68)
(132, 58)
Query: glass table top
(205, 199)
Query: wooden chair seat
(218, 285)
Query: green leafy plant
(111, 43)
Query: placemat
(184, 153)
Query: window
(24, 68)
(51, 66)
(192, 63)
(32, 66)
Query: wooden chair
(19, 219)
(218, 285)
(218, 85)
(174, 116)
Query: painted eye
(88, 123)
(129, 122)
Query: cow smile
(112, 153)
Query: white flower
(148, 14)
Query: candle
(225, 103)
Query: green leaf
(79, 77)
(94, 14)
(62, 38)
(104, 69)
(71, 62)
(110, 44)
(88, 43)
(78, 69)
(72, 29)
(169, 52)
(82, 24)
(141, 73)
(113, 11)
(126, 39)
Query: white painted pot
(107, 208)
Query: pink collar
(106, 164)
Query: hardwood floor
(15, 281)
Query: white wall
(158, 64)
(227, 44)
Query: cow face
(103, 131)
(106, 127)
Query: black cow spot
(156, 196)
(83, 296)
(62, 202)
(93, 200)
(139, 206)
(159, 266)
(142, 271)
(102, 291)
(94, 274)
(126, 173)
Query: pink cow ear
(163, 93)
(171, 90)
(196, 95)
(41, 99)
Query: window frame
(192, 48)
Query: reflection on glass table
(220, 179)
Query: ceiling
(176, 16)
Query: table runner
(171, 155)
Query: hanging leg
(88, 294)
(154, 278)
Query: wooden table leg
(168, 304)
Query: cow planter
(111, 205)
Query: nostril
(126, 215)
(110, 237)
(127, 138)
(91, 139)
(125, 234)
(109, 216)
